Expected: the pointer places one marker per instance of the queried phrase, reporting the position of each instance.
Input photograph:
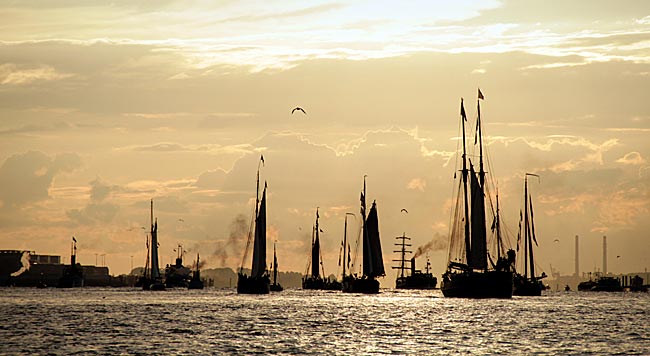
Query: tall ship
(152, 278)
(411, 278)
(275, 286)
(528, 284)
(258, 282)
(72, 276)
(313, 278)
(373, 261)
(471, 272)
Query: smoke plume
(234, 244)
(439, 242)
(24, 259)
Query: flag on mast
(480, 95)
(462, 110)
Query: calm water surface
(214, 321)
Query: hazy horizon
(105, 106)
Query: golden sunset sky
(106, 105)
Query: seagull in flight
(556, 240)
(404, 210)
(299, 109)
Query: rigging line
(248, 241)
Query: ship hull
(416, 282)
(253, 285)
(276, 288)
(491, 284)
(360, 285)
(525, 287)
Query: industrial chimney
(604, 255)
(577, 259)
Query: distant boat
(468, 274)
(151, 278)
(275, 286)
(73, 276)
(373, 261)
(601, 284)
(258, 282)
(177, 275)
(528, 284)
(313, 278)
(195, 281)
(412, 278)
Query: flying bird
(181, 220)
(299, 109)
(556, 240)
(404, 210)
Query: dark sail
(155, 268)
(259, 245)
(373, 266)
(315, 251)
(478, 254)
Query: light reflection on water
(215, 321)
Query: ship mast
(345, 243)
(467, 245)
(402, 252)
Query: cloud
(417, 184)
(27, 177)
(633, 158)
(11, 74)
(98, 209)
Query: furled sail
(155, 268)
(478, 248)
(259, 245)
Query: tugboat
(195, 281)
(275, 286)
(373, 261)
(73, 276)
(601, 284)
(258, 282)
(469, 275)
(417, 279)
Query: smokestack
(604, 255)
(577, 259)
(413, 266)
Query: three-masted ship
(470, 272)
(411, 278)
(528, 284)
(373, 261)
(258, 282)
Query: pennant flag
(462, 110)
(73, 239)
(480, 95)
(262, 159)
